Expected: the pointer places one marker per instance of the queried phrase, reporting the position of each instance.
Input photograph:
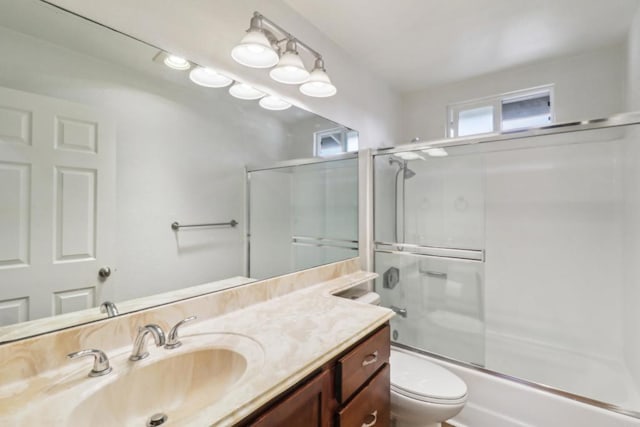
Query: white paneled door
(57, 206)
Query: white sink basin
(199, 379)
(176, 386)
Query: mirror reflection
(105, 142)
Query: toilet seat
(417, 378)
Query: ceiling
(415, 44)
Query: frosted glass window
(475, 120)
(528, 108)
(528, 112)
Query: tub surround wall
(633, 64)
(589, 85)
(299, 325)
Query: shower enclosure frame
(619, 120)
(283, 165)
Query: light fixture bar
(287, 34)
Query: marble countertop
(295, 333)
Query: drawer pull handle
(373, 417)
(371, 358)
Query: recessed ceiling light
(176, 62)
(274, 103)
(244, 91)
(209, 78)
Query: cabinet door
(308, 406)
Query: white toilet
(423, 394)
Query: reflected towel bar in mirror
(176, 225)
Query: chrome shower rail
(175, 226)
(301, 162)
(325, 242)
(618, 120)
(473, 255)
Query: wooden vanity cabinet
(352, 390)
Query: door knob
(104, 272)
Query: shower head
(408, 173)
(404, 167)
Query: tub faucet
(399, 311)
(140, 343)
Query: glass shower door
(429, 252)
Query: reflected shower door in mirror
(102, 149)
(302, 215)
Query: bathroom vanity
(283, 351)
(351, 390)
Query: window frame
(495, 101)
(344, 133)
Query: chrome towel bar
(176, 225)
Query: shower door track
(618, 120)
(533, 384)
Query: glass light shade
(436, 152)
(176, 62)
(274, 103)
(290, 70)
(409, 155)
(255, 51)
(209, 78)
(319, 85)
(244, 91)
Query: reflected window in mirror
(335, 141)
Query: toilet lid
(416, 377)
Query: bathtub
(495, 401)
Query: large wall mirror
(103, 148)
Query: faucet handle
(172, 340)
(100, 361)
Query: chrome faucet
(100, 361)
(172, 339)
(109, 308)
(399, 311)
(139, 351)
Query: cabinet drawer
(354, 369)
(370, 407)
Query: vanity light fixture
(177, 62)
(271, 102)
(255, 49)
(319, 84)
(290, 69)
(207, 77)
(436, 152)
(244, 91)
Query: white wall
(590, 85)
(633, 73)
(173, 162)
(206, 31)
(631, 211)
